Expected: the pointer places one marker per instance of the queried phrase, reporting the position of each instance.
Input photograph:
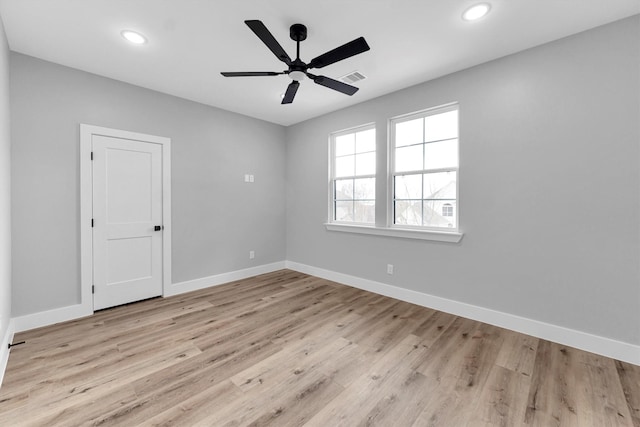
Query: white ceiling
(192, 41)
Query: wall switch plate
(389, 268)
(252, 254)
(250, 178)
(246, 178)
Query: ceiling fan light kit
(297, 75)
(297, 69)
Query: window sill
(436, 236)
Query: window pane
(441, 126)
(366, 141)
(344, 211)
(433, 213)
(409, 132)
(344, 189)
(408, 212)
(422, 195)
(443, 154)
(365, 189)
(441, 185)
(408, 187)
(354, 155)
(409, 158)
(345, 144)
(366, 164)
(345, 166)
(364, 212)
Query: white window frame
(392, 173)
(384, 214)
(332, 177)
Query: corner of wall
(6, 325)
(219, 279)
(4, 349)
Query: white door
(127, 220)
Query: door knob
(158, 227)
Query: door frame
(86, 205)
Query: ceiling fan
(297, 69)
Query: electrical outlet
(246, 178)
(250, 178)
(252, 254)
(389, 268)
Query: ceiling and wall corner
(191, 42)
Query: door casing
(86, 205)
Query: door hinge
(91, 222)
(93, 289)
(92, 155)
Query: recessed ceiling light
(133, 37)
(476, 12)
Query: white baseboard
(49, 317)
(593, 343)
(596, 344)
(72, 312)
(4, 349)
(219, 279)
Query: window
(418, 185)
(353, 175)
(424, 169)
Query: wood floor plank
(600, 378)
(274, 398)
(629, 379)
(552, 395)
(292, 361)
(462, 374)
(518, 353)
(289, 349)
(56, 399)
(197, 407)
(438, 362)
(401, 405)
(156, 395)
(500, 403)
(383, 376)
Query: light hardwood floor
(289, 349)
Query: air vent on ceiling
(353, 77)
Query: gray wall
(549, 187)
(217, 217)
(5, 187)
(549, 183)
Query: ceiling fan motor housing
(298, 32)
